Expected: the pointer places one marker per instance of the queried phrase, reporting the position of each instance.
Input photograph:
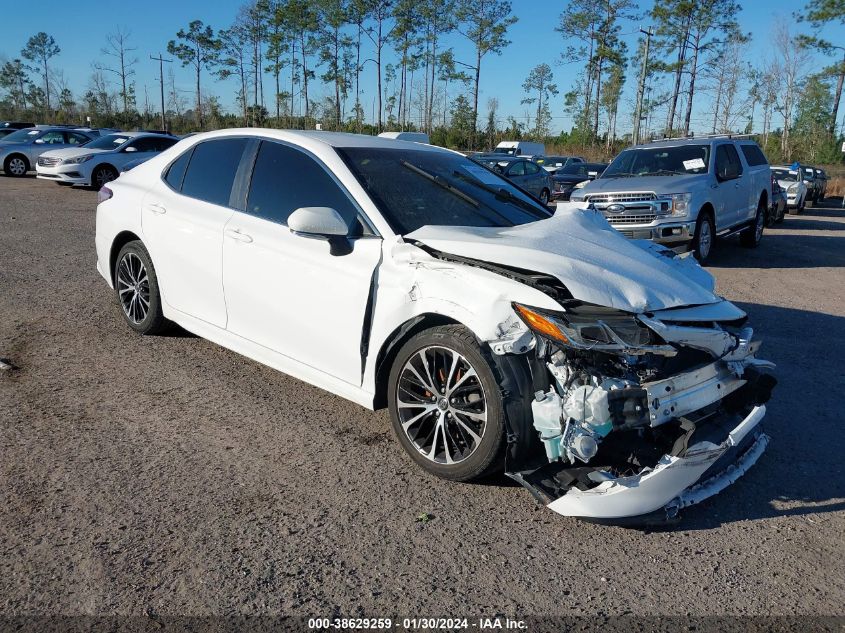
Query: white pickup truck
(684, 193)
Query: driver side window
(285, 179)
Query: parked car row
(72, 155)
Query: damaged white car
(603, 374)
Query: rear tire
(750, 237)
(445, 403)
(136, 289)
(705, 237)
(544, 197)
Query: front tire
(704, 238)
(136, 289)
(102, 175)
(446, 405)
(750, 237)
(16, 165)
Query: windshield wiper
(500, 192)
(621, 174)
(437, 180)
(662, 172)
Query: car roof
(331, 139)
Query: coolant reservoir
(588, 406)
(546, 409)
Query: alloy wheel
(761, 221)
(133, 286)
(103, 176)
(441, 403)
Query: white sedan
(101, 160)
(603, 374)
(793, 184)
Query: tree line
(302, 63)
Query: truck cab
(685, 192)
(520, 148)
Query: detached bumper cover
(675, 482)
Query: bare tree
(791, 60)
(117, 47)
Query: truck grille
(608, 198)
(630, 219)
(46, 161)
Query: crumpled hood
(657, 184)
(594, 261)
(786, 184)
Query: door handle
(157, 209)
(236, 234)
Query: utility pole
(161, 61)
(641, 87)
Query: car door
(728, 197)
(183, 216)
(53, 139)
(302, 297)
(516, 173)
(535, 178)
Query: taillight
(104, 194)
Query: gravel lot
(166, 475)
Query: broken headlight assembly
(593, 328)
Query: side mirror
(130, 149)
(40, 141)
(322, 222)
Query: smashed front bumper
(675, 482)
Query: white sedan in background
(101, 160)
(791, 182)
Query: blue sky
(155, 22)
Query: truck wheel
(750, 237)
(705, 236)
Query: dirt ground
(166, 475)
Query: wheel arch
(12, 155)
(394, 342)
(120, 240)
(764, 199)
(708, 208)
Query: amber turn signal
(540, 324)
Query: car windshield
(21, 136)
(574, 169)
(417, 188)
(786, 174)
(510, 151)
(660, 161)
(110, 141)
(552, 161)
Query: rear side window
(285, 179)
(518, 169)
(212, 170)
(531, 168)
(754, 156)
(176, 172)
